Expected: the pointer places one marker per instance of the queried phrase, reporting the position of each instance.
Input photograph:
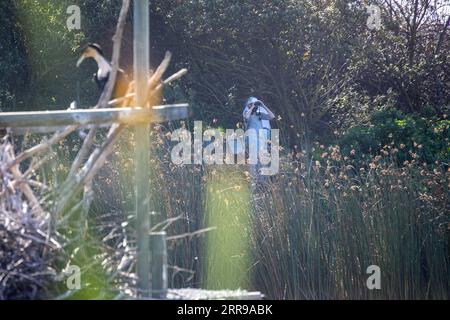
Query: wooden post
(159, 264)
(142, 138)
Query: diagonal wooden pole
(142, 135)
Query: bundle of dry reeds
(27, 248)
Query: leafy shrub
(13, 67)
(411, 137)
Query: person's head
(250, 101)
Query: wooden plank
(141, 51)
(84, 117)
(201, 294)
(21, 131)
(170, 112)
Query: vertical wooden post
(159, 264)
(142, 137)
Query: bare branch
(26, 189)
(192, 234)
(117, 43)
(44, 146)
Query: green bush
(408, 137)
(14, 70)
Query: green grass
(318, 228)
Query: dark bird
(94, 51)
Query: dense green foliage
(425, 139)
(315, 63)
(14, 73)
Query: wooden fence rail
(83, 117)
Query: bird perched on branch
(94, 51)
